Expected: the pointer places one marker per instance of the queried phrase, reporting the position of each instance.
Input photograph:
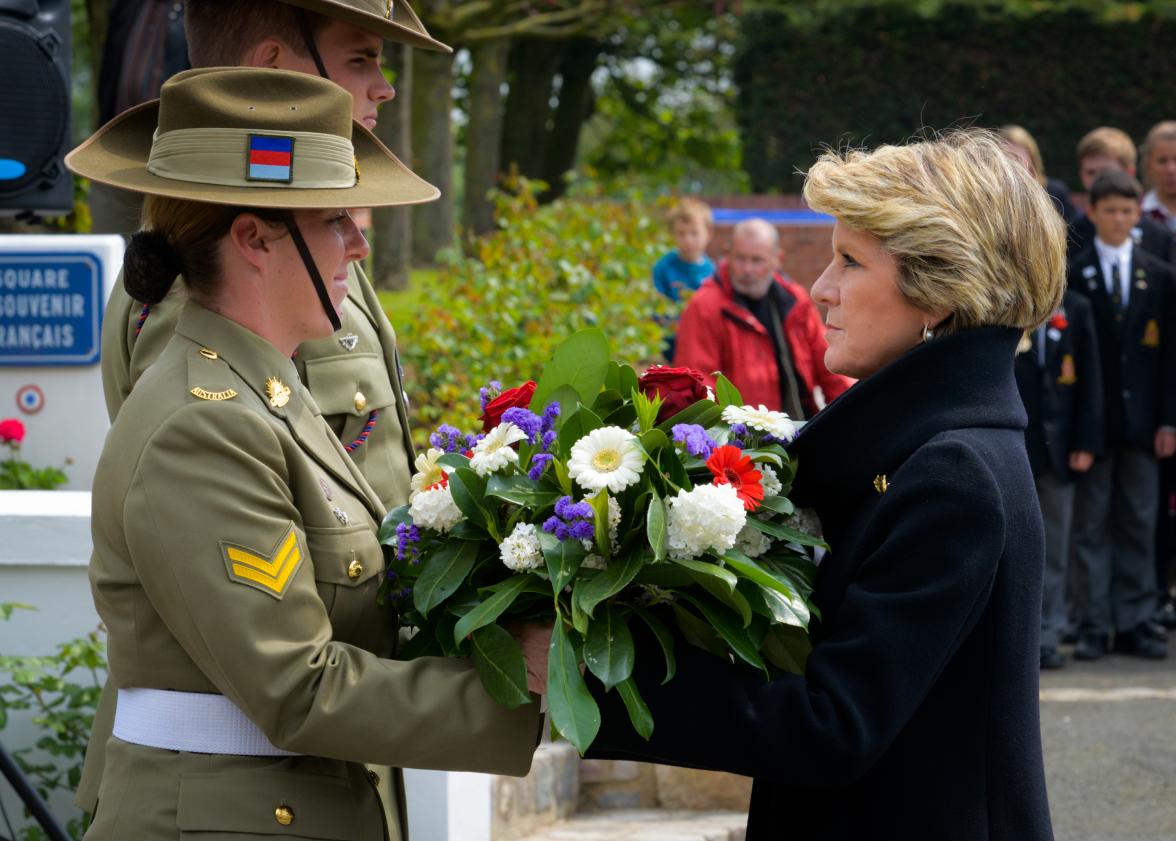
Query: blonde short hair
(1165, 130)
(690, 210)
(1020, 137)
(1112, 142)
(971, 229)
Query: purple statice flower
(539, 463)
(697, 442)
(526, 420)
(488, 392)
(408, 540)
(739, 435)
(550, 414)
(472, 440)
(772, 439)
(449, 438)
(572, 520)
(548, 439)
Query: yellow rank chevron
(268, 573)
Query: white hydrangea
(520, 551)
(708, 517)
(606, 458)
(776, 424)
(428, 472)
(435, 510)
(752, 542)
(770, 481)
(495, 452)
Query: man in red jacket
(759, 329)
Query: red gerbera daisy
(731, 467)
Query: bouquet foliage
(597, 500)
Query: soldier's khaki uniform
(236, 553)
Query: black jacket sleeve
(929, 560)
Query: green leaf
(726, 394)
(488, 611)
(612, 377)
(573, 710)
(454, 460)
(779, 504)
(609, 582)
(787, 648)
(664, 638)
(728, 578)
(468, 489)
(749, 569)
(501, 666)
(443, 574)
(785, 533)
(655, 527)
(581, 362)
(628, 380)
(732, 598)
(770, 456)
(392, 519)
(699, 633)
(608, 647)
(599, 505)
(567, 398)
(561, 475)
(563, 559)
(785, 610)
(732, 633)
(646, 409)
(653, 441)
(639, 714)
(579, 424)
(520, 490)
(580, 618)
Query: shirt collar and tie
(1115, 262)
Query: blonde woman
(916, 716)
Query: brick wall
(807, 249)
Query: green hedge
(881, 74)
(500, 312)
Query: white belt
(196, 722)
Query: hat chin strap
(308, 37)
(312, 270)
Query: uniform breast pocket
(348, 563)
(348, 388)
(262, 806)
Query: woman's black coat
(917, 715)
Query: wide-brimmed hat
(392, 21)
(249, 137)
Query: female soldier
(916, 716)
(235, 553)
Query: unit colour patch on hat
(271, 158)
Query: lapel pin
(349, 342)
(277, 392)
(341, 515)
(881, 484)
(1141, 284)
(326, 489)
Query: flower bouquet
(597, 500)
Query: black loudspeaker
(34, 106)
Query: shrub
(500, 312)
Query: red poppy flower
(731, 467)
(1058, 321)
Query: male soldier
(354, 375)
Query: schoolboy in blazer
(1059, 377)
(1131, 296)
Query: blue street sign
(50, 308)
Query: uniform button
(284, 815)
(360, 401)
(354, 570)
(374, 777)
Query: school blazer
(1138, 355)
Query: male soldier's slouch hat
(392, 21)
(249, 137)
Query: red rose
(1058, 321)
(12, 431)
(679, 388)
(512, 398)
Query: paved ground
(1109, 730)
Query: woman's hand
(535, 640)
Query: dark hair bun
(150, 267)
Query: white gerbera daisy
(752, 542)
(435, 510)
(495, 452)
(776, 424)
(708, 517)
(428, 472)
(606, 458)
(770, 481)
(520, 551)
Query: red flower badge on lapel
(1058, 321)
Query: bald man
(759, 329)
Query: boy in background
(1115, 507)
(687, 266)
